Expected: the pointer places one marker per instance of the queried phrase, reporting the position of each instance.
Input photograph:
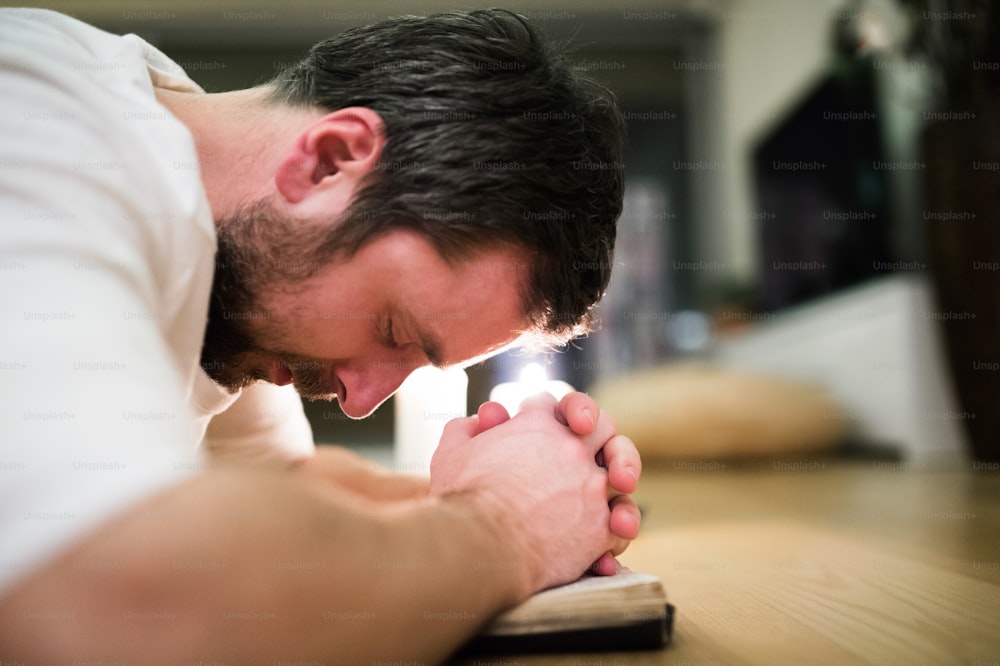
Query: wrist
(501, 548)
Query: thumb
(491, 414)
(456, 433)
(459, 430)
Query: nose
(368, 387)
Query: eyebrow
(429, 343)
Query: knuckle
(596, 484)
(455, 424)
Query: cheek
(334, 337)
(322, 321)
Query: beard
(260, 251)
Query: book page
(622, 578)
(590, 601)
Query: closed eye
(387, 335)
(413, 335)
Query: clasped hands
(559, 470)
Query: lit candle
(533, 381)
(427, 400)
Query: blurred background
(812, 192)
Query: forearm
(251, 567)
(347, 470)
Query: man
(176, 263)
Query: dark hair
(492, 137)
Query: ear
(331, 156)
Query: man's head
(470, 131)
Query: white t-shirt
(107, 247)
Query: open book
(627, 611)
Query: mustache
(313, 379)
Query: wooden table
(818, 562)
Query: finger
(623, 463)
(617, 545)
(625, 517)
(605, 429)
(604, 566)
(579, 412)
(620, 547)
(491, 414)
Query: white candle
(533, 381)
(427, 400)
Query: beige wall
(770, 52)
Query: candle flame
(533, 373)
(533, 380)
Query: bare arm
(253, 566)
(365, 478)
(246, 566)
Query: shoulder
(91, 156)
(46, 39)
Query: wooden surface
(818, 563)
